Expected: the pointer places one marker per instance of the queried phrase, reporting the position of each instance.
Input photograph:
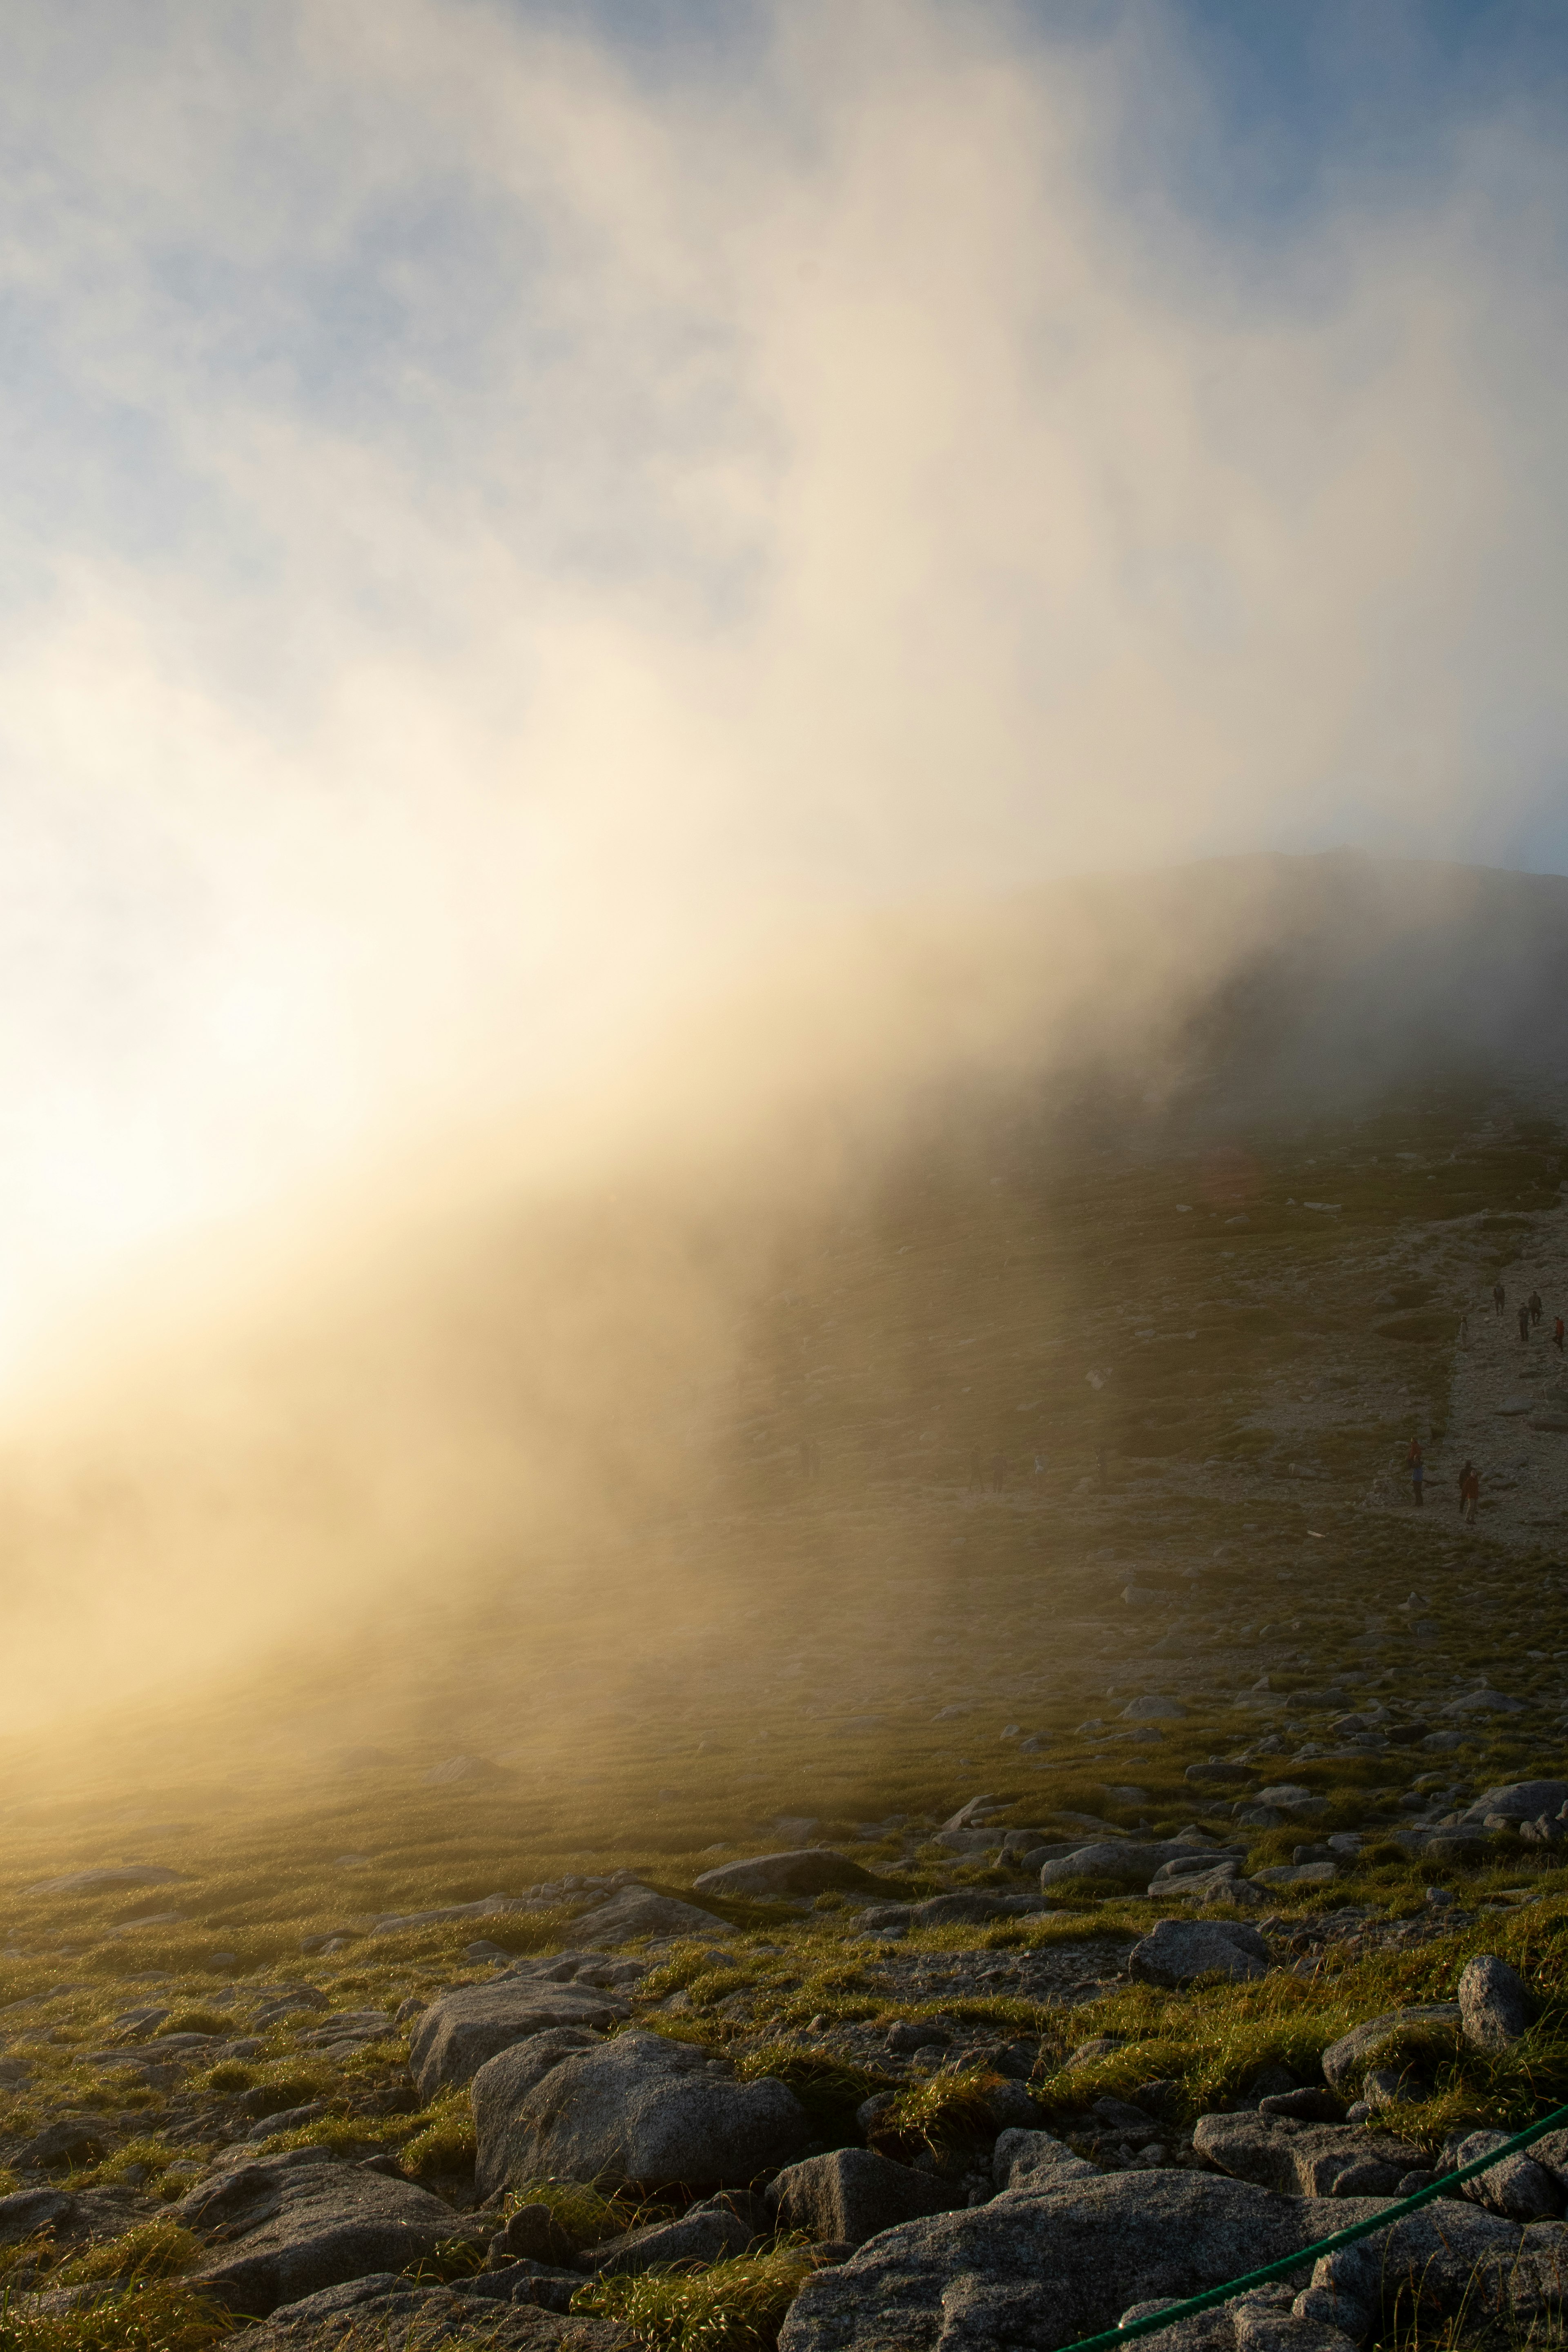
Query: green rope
(1288, 2262)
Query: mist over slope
(1089, 1179)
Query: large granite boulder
(1037, 2267)
(814, 1869)
(460, 2030)
(702, 2234)
(637, 2109)
(1495, 2006)
(1305, 2159)
(383, 2313)
(1176, 1952)
(1516, 1800)
(850, 2194)
(1132, 1863)
(1347, 2060)
(639, 1911)
(282, 2227)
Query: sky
(509, 509)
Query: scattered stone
(1347, 2060)
(975, 2279)
(461, 2030)
(404, 2314)
(1130, 1861)
(1154, 1710)
(850, 2194)
(1034, 2157)
(1494, 2007)
(74, 2139)
(907, 2035)
(1517, 2187)
(638, 2109)
(33, 2209)
(1518, 1801)
(1310, 2104)
(532, 2234)
(704, 2234)
(812, 1870)
(1176, 1952)
(286, 2229)
(109, 1882)
(1303, 2159)
(638, 1911)
(1217, 1776)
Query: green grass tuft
(735, 2305)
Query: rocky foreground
(581, 2143)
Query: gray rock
(974, 2279)
(1518, 1801)
(1495, 2007)
(107, 1882)
(402, 2315)
(968, 1814)
(969, 1908)
(812, 1870)
(1010, 2107)
(1483, 1702)
(1021, 2157)
(489, 1906)
(460, 2030)
(1127, 1861)
(33, 2209)
(850, 2194)
(907, 2034)
(1223, 1884)
(703, 2234)
(1310, 2104)
(73, 2139)
(638, 1911)
(499, 2090)
(287, 2228)
(291, 2119)
(641, 2109)
(971, 2281)
(1217, 1776)
(1304, 2159)
(532, 2234)
(1517, 2187)
(1176, 1952)
(1154, 1710)
(1450, 2257)
(1345, 2061)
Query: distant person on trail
(1535, 1308)
(1557, 1334)
(1524, 1323)
(1500, 1299)
(1418, 1462)
(1466, 1475)
(1039, 1465)
(977, 1470)
(998, 1472)
(1469, 1495)
(1464, 1330)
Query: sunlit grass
(733, 2306)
